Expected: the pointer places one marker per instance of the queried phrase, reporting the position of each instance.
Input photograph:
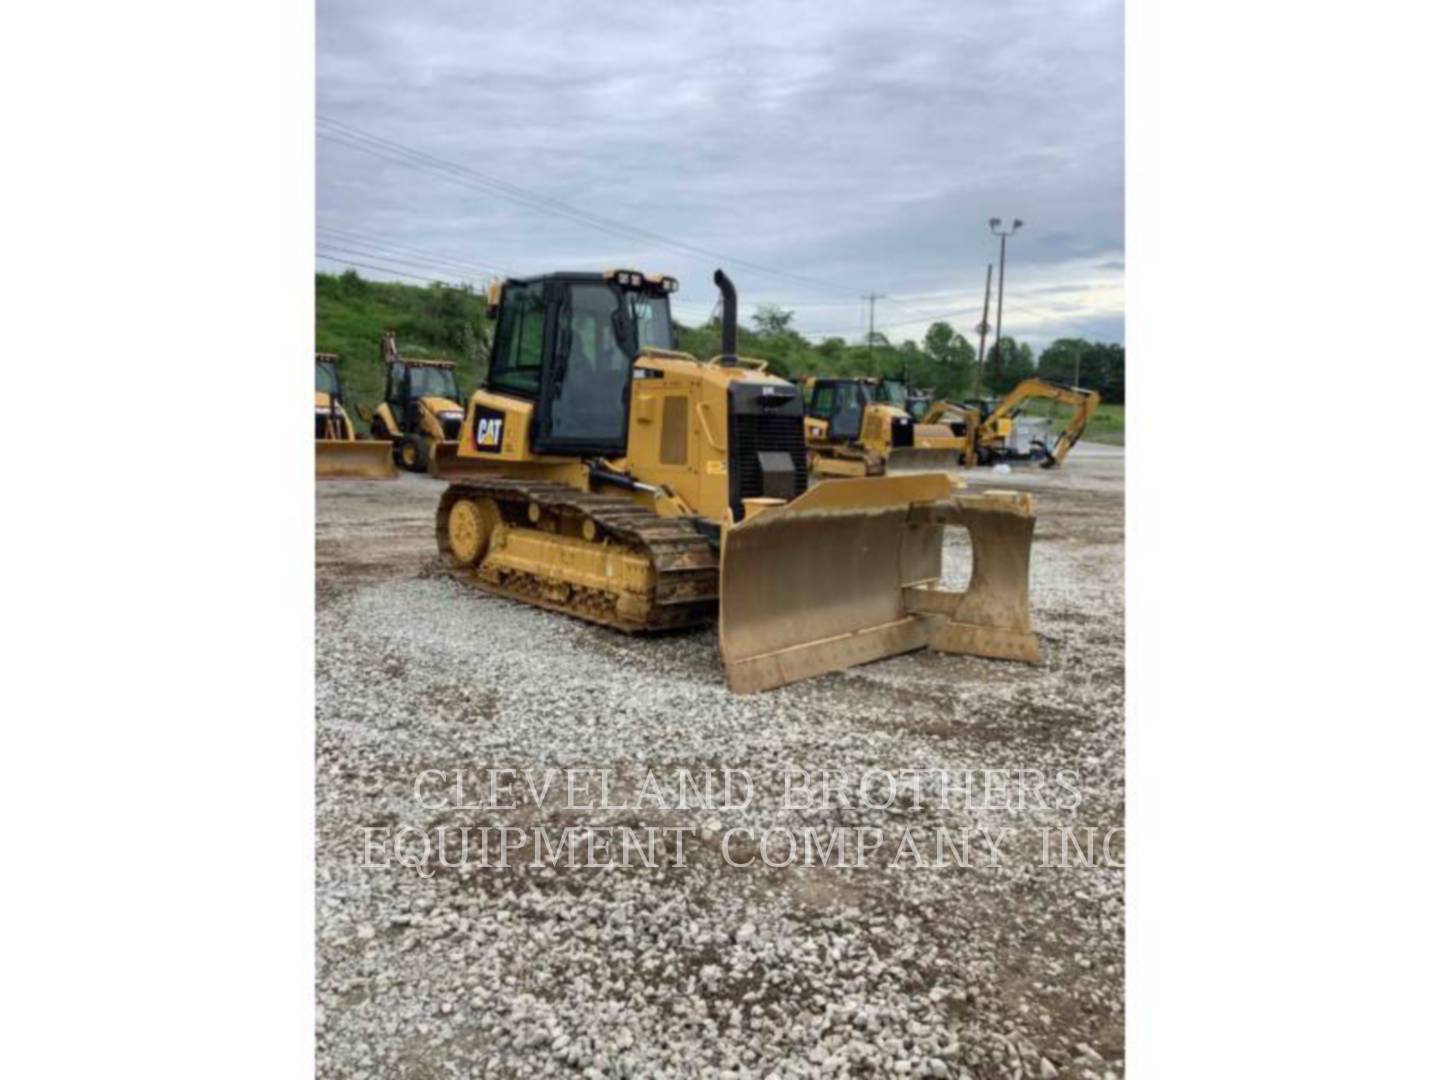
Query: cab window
(395, 383)
(592, 378)
(519, 348)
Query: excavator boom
(1083, 402)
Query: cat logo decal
(489, 430)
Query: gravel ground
(905, 963)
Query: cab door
(849, 411)
(585, 388)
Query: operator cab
(891, 392)
(568, 342)
(842, 402)
(327, 381)
(408, 382)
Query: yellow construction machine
(603, 474)
(1001, 431)
(860, 427)
(338, 453)
(421, 414)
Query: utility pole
(983, 329)
(1000, 299)
(870, 338)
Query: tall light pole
(870, 340)
(983, 330)
(1000, 297)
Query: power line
(354, 138)
(931, 318)
(429, 280)
(371, 240)
(422, 264)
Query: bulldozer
(604, 474)
(1002, 434)
(338, 453)
(421, 412)
(861, 427)
(899, 393)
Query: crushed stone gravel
(711, 969)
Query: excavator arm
(1083, 402)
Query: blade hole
(957, 559)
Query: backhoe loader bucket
(850, 572)
(447, 464)
(360, 459)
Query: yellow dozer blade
(447, 464)
(908, 459)
(936, 448)
(359, 459)
(850, 572)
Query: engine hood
(439, 404)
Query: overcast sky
(856, 146)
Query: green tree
(772, 320)
(1094, 365)
(1008, 363)
(832, 349)
(949, 367)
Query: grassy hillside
(351, 314)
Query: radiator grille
(752, 435)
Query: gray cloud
(861, 144)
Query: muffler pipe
(729, 335)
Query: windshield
(651, 317)
(433, 382)
(326, 381)
(892, 392)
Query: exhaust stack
(729, 336)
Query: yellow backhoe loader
(421, 412)
(603, 474)
(854, 427)
(338, 453)
(1003, 434)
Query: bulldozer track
(685, 568)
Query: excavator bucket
(360, 459)
(850, 572)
